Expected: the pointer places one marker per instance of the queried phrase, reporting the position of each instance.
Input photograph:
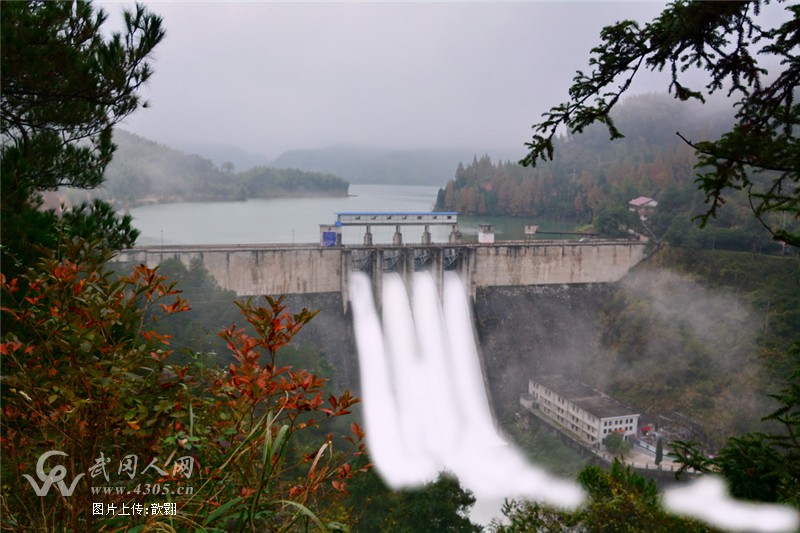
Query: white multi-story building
(587, 414)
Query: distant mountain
(371, 165)
(146, 171)
(221, 154)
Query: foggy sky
(268, 77)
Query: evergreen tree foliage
(620, 500)
(64, 87)
(760, 154)
(441, 505)
(263, 182)
(614, 221)
(659, 452)
(97, 221)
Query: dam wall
(252, 270)
(557, 263)
(503, 279)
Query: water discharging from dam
(425, 404)
(426, 410)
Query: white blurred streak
(381, 419)
(425, 404)
(707, 499)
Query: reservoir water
(280, 220)
(297, 220)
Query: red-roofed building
(643, 206)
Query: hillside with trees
(145, 171)
(752, 58)
(589, 171)
(592, 179)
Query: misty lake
(297, 220)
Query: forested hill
(145, 171)
(590, 171)
(592, 179)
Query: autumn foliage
(86, 373)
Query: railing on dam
(256, 269)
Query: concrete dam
(507, 282)
(259, 269)
(532, 303)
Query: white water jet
(408, 374)
(484, 462)
(708, 499)
(425, 404)
(381, 417)
(443, 420)
(467, 375)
